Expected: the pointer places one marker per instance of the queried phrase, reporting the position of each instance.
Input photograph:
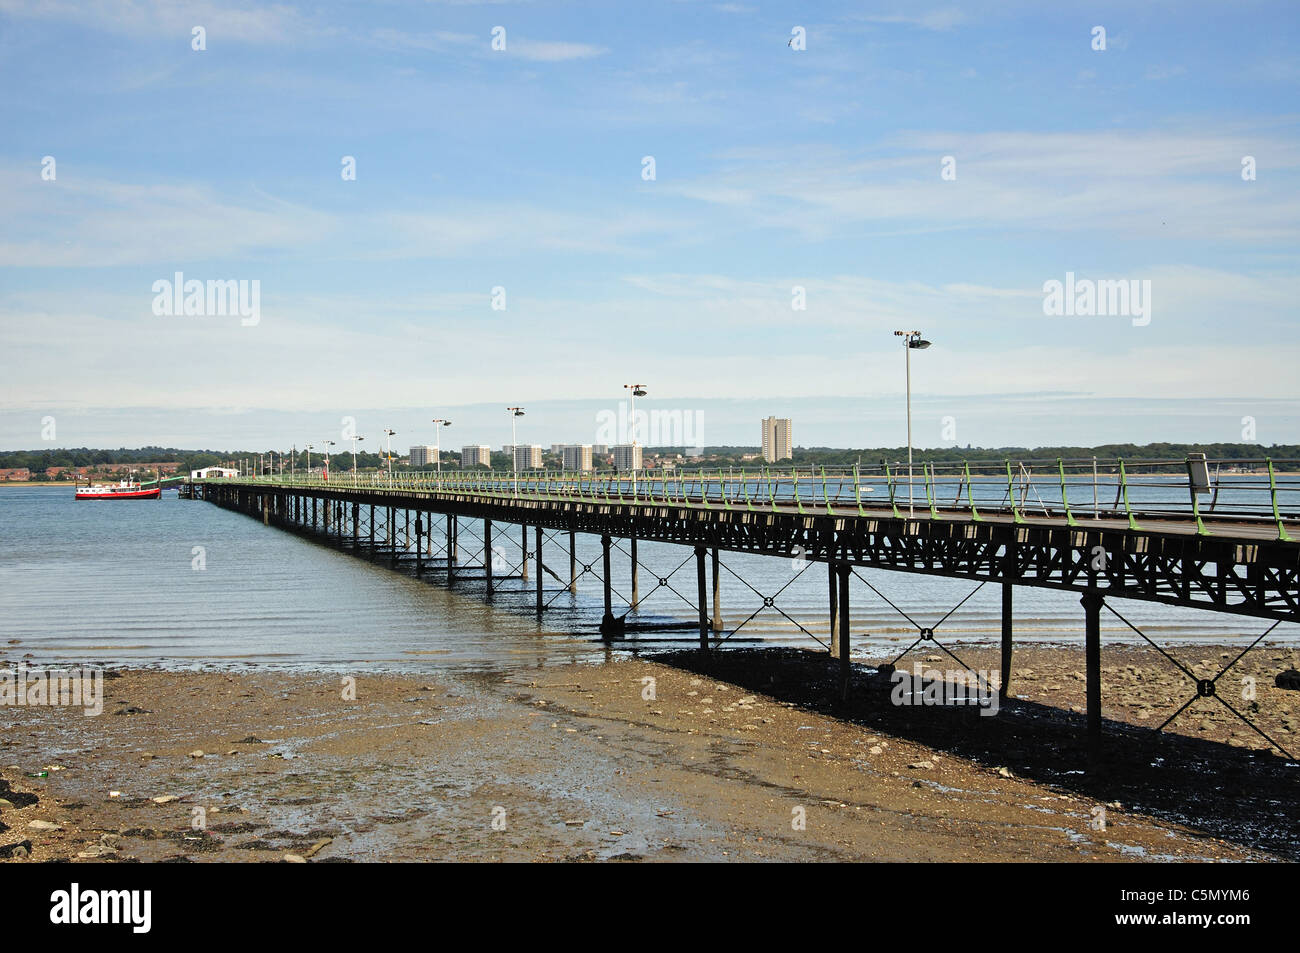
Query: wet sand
(747, 758)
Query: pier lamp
(327, 444)
(515, 412)
(310, 448)
(636, 390)
(391, 434)
(355, 438)
(438, 424)
(912, 341)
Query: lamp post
(637, 390)
(327, 445)
(355, 438)
(438, 424)
(310, 448)
(515, 412)
(389, 453)
(912, 341)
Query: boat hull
(153, 494)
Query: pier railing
(1074, 491)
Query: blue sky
(522, 169)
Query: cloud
(944, 19)
(222, 21)
(543, 51)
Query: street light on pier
(355, 438)
(438, 424)
(391, 434)
(328, 444)
(637, 390)
(515, 412)
(912, 341)
(310, 448)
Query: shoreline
(575, 762)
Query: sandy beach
(747, 758)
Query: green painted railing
(1075, 492)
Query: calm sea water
(118, 582)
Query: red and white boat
(125, 490)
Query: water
(117, 582)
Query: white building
(209, 473)
(778, 439)
(627, 456)
(476, 454)
(528, 458)
(422, 456)
(576, 456)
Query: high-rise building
(528, 458)
(778, 439)
(420, 456)
(576, 456)
(476, 454)
(600, 450)
(627, 456)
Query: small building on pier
(209, 473)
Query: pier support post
(419, 549)
(573, 562)
(356, 525)
(523, 552)
(1092, 602)
(313, 514)
(266, 510)
(487, 553)
(451, 549)
(372, 531)
(636, 596)
(1006, 639)
(843, 569)
(538, 554)
(608, 624)
(392, 536)
(833, 579)
(702, 586)
(717, 594)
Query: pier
(1214, 535)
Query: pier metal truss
(1215, 535)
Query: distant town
(776, 447)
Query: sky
(735, 204)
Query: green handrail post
(826, 497)
(974, 513)
(1123, 482)
(1011, 496)
(771, 493)
(889, 481)
(1272, 492)
(857, 491)
(1065, 499)
(749, 504)
(704, 491)
(794, 471)
(928, 470)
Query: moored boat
(125, 490)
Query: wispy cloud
(557, 51)
(943, 19)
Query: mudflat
(747, 755)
